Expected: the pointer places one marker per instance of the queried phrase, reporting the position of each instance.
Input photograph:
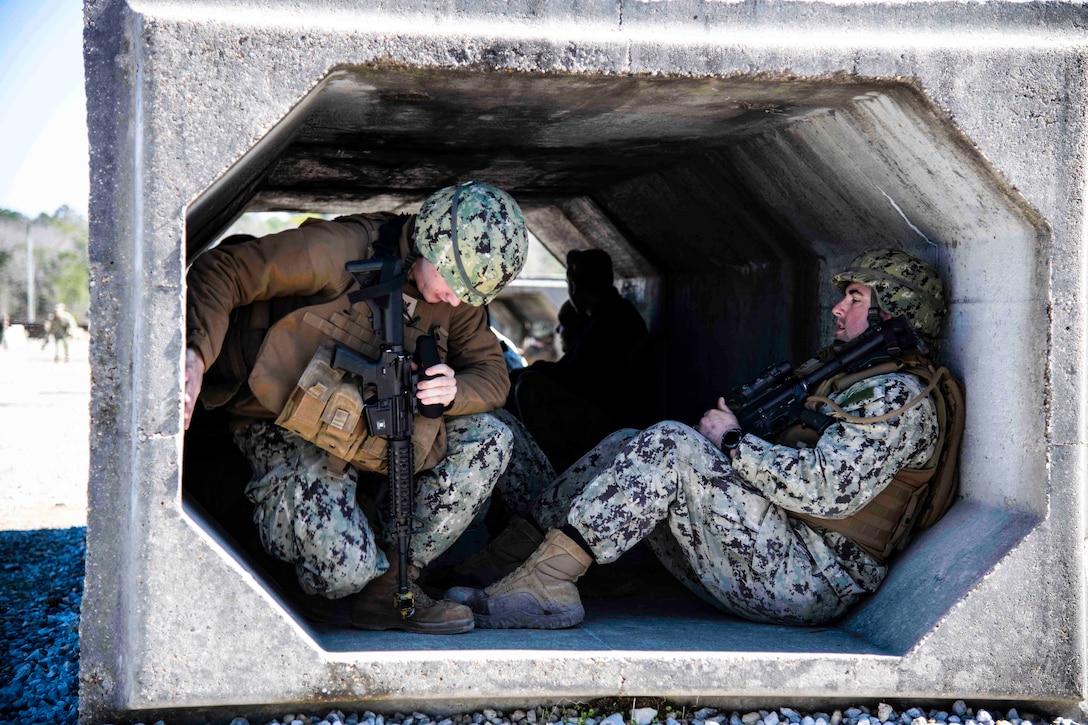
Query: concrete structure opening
(730, 156)
(726, 204)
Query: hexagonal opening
(726, 203)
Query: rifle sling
(839, 414)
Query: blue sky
(42, 106)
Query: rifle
(389, 385)
(775, 400)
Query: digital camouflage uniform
(723, 528)
(59, 326)
(528, 473)
(308, 517)
(486, 216)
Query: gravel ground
(43, 509)
(40, 589)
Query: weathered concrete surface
(742, 150)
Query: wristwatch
(730, 440)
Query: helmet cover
(902, 285)
(474, 235)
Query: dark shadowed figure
(598, 385)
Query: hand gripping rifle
(776, 399)
(389, 386)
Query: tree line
(58, 266)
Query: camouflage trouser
(58, 343)
(524, 480)
(310, 518)
(671, 486)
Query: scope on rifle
(774, 401)
(767, 379)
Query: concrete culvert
(726, 202)
(727, 197)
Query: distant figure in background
(540, 344)
(570, 326)
(5, 323)
(603, 381)
(59, 326)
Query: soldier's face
(432, 285)
(852, 312)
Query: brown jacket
(309, 262)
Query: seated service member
(742, 527)
(267, 310)
(571, 404)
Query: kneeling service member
(267, 319)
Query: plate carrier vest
(916, 498)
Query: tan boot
(501, 556)
(373, 609)
(540, 594)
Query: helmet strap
(874, 310)
(453, 234)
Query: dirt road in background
(44, 434)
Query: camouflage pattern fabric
(449, 496)
(549, 505)
(474, 234)
(310, 518)
(529, 471)
(903, 284)
(723, 528)
(554, 504)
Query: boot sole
(531, 620)
(455, 627)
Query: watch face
(731, 438)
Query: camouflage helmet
(902, 285)
(474, 235)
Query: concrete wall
(731, 155)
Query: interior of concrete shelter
(726, 204)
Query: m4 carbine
(775, 400)
(388, 386)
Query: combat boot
(501, 556)
(540, 594)
(373, 608)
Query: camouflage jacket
(309, 262)
(849, 465)
(60, 325)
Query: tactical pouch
(326, 408)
